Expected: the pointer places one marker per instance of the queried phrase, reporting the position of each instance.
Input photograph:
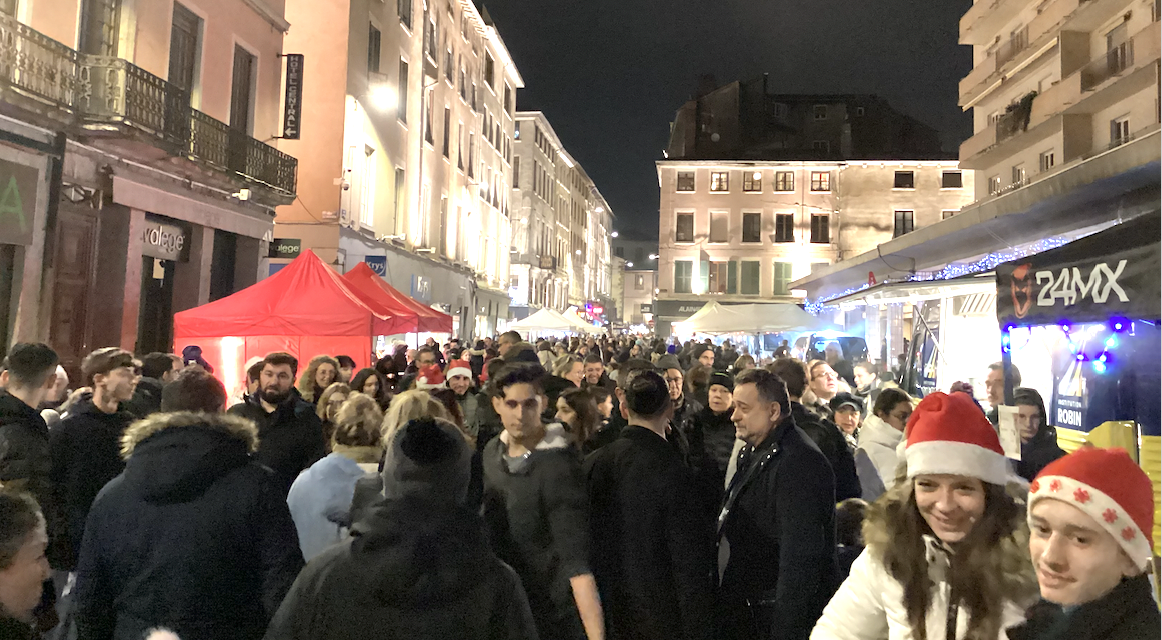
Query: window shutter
(732, 277)
(704, 274)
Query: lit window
(719, 181)
(784, 181)
(752, 181)
(821, 181)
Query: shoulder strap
(740, 482)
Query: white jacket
(877, 443)
(870, 603)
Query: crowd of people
(576, 489)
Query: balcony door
(99, 26)
(184, 44)
(242, 91)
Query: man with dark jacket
(777, 526)
(611, 430)
(826, 435)
(417, 564)
(653, 553)
(86, 447)
(194, 536)
(157, 369)
(711, 436)
(1038, 437)
(25, 462)
(289, 431)
(595, 375)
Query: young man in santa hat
(1091, 515)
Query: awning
(918, 290)
(715, 318)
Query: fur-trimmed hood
(231, 425)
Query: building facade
(407, 148)
(135, 150)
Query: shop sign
(164, 240)
(678, 308)
(378, 265)
(422, 288)
(547, 262)
(292, 110)
(289, 248)
(647, 308)
(17, 202)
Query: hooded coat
(320, 498)
(1042, 448)
(410, 571)
(1128, 612)
(875, 457)
(195, 536)
(831, 442)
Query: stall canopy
(570, 314)
(751, 318)
(544, 320)
(422, 318)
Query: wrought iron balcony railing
(37, 65)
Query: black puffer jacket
(195, 536)
(146, 398)
(1129, 612)
(412, 572)
(290, 438)
(25, 461)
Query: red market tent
(367, 282)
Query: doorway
(155, 320)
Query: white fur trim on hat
(944, 457)
(1100, 507)
(458, 371)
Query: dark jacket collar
(13, 409)
(1130, 604)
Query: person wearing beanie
(1091, 521)
(944, 556)
(418, 564)
(430, 377)
(1038, 437)
(711, 436)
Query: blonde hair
(306, 383)
(325, 397)
(563, 364)
(408, 406)
(357, 422)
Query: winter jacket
(1129, 612)
(781, 536)
(536, 518)
(290, 438)
(1038, 452)
(831, 442)
(13, 629)
(320, 498)
(711, 436)
(684, 414)
(875, 457)
(25, 461)
(85, 452)
(605, 382)
(409, 572)
(193, 536)
(146, 398)
(469, 405)
(653, 552)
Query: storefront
(667, 312)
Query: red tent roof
(363, 278)
(305, 298)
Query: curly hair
(564, 364)
(306, 385)
(325, 397)
(408, 406)
(357, 422)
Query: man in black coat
(653, 552)
(777, 525)
(25, 462)
(595, 375)
(157, 369)
(290, 433)
(712, 437)
(194, 536)
(1038, 437)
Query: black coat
(25, 459)
(411, 571)
(653, 544)
(781, 535)
(831, 442)
(13, 629)
(711, 436)
(290, 439)
(86, 454)
(1038, 452)
(1129, 612)
(146, 398)
(194, 536)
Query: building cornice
(745, 164)
(268, 14)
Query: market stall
(715, 318)
(421, 317)
(571, 315)
(545, 321)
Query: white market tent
(544, 320)
(715, 318)
(571, 315)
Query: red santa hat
(949, 434)
(458, 368)
(430, 377)
(1109, 487)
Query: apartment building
(406, 149)
(135, 161)
(561, 226)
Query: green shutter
(732, 277)
(750, 278)
(704, 275)
(782, 277)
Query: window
(994, 185)
(685, 181)
(719, 226)
(1119, 50)
(821, 146)
(373, 41)
(1119, 131)
(821, 181)
(752, 227)
(684, 230)
(489, 70)
(905, 223)
(639, 282)
(904, 180)
(820, 112)
(450, 65)
(750, 277)
(719, 181)
(947, 213)
(859, 111)
(516, 131)
(1019, 174)
(508, 105)
(784, 227)
(951, 180)
(401, 106)
(185, 41)
(242, 91)
(428, 122)
(820, 228)
(100, 20)
(784, 181)
(683, 276)
(719, 277)
(405, 12)
(752, 181)
(516, 172)
(782, 278)
(1046, 160)
(400, 192)
(780, 110)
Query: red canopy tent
(365, 281)
(306, 309)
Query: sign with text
(378, 265)
(164, 240)
(292, 110)
(285, 248)
(647, 308)
(17, 202)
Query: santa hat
(430, 377)
(949, 434)
(1109, 487)
(458, 368)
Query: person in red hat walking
(944, 556)
(1091, 516)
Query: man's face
(753, 418)
(460, 384)
(720, 398)
(994, 383)
(1028, 421)
(425, 359)
(863, 379)
(21, 582)
(488, 343)
(276, 382)
(519, 408)
(824, 381)
(118, 384)
(707, 358)
(506, 343)
(674, 380)
(1076, 559)
(847, 419)
(593, 371)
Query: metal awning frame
(916, 291)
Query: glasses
(830, 375)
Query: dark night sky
(610, 74)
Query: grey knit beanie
(428, 459)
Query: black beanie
(722, 379)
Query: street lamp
(653, 256)
(629, 264)
(613, 235)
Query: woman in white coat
(946, 546)
(882, 431)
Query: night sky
(610, 74)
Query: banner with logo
(1111, 273)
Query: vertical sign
(293, 106)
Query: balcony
(38, 75)
(985, 17)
